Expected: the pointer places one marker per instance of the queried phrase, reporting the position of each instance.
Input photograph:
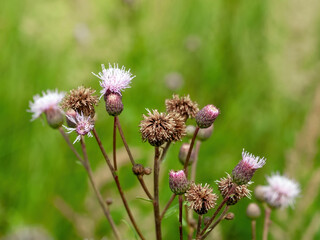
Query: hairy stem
(156, 193)
(116, 179)
(180, 217)
(199, 225)
(190, 150)
(266, 223)
(167, 205)
(115, 143)
(216, 222)
(140, 178)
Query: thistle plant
(205, 204)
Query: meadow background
(258, 61)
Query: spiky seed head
(81, 100)
(201, 198)
(206, 116)
(158, 128)
(243, 172)
(184, 152)
(114, 105)
(183, 106)
(205, 133)
(240, 191)
(178, 182)
(253, 211)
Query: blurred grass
(234, 54)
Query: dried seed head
(183, 106)
(201, 198)
(178, 182)
(206, 116)
(138, 169)
(240, 191)
(184, 152)
(243, 172)
(205, 133)
(81, 100)
(158, 128)
(114, 105)
(253, 211)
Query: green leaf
(132, 229)
(144, 199)
(174, 209)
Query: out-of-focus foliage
(258, 61)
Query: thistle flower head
(281, 191)
(183, 106)
(206, 116)
(239, 192)
(184, 149)
(114, 105)
(83, 125)
(42, 104)
(81, 100)
(158, 128)
(201, 198)
(245, 169)
(178, 182)
(114, 79)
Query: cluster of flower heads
(79, 104)
(280, 192)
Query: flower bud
(229, 216)
(147, 171)
(114, 105)
(259, 193)
(253, 211)
(54, 117)
(178, 182)
(138, 169)
(109, 201)
(184, 152)
(205, 133)
(190, 130)
(206, 116)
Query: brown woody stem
(190, 150)
(156, 193)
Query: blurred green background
(258, 61)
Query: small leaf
(144, 199)
(174, 209)
(132, 229)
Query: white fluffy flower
(48, 100)
(84, 125)
(281, 191)
(114, 79)
(252, 161)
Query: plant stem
(199, 225)
(66, 138)
(190, 150)
(218, 209)
(194, 164)
(167, 205)
(156, 193)
(104, 206)
(180, 217)
(165, 150)
(114, 143)
(216, 222)
(116, 179)
(253, 229)
(266, 223)
(140, 178)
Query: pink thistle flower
(245, 169)
(206, 116)
(114, 79)
(83, 125)
(178, 182)
(281, 191)
(48, 101)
